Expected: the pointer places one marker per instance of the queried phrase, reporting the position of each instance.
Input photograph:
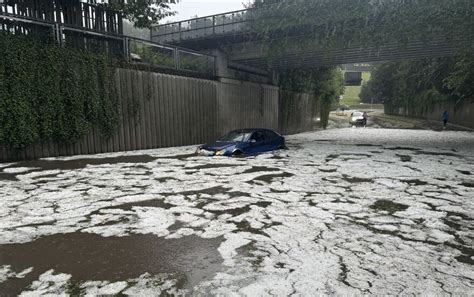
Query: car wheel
(238, 154)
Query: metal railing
(134, 50)
(226, 23)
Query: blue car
(244, 142)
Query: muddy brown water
(82, 163)
(91, 257)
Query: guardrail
(226, 23)
(134, 50)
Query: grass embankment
(351, 94)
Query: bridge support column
(222, 64)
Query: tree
(325, 84)
(143, 13)
(417, 85)
(346, 23)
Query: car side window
(258, 136)
(270, 135)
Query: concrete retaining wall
(462, 115)
(172, 111)
(246, 105)
(297, 113)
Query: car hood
(357, 118)
(218, 145)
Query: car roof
(250, 130)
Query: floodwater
(342, 212)
(87, 257)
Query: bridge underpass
(231, 34)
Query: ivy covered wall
(52, 93)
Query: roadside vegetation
(324, 84)
(58, 93)
(418, 85)
(346, 24)
(49, 92)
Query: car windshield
(235, 136)
(357, 114)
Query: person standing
(445, 118)
(365, 116)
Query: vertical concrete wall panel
(159, 110)
(161, 118)
(131, 115)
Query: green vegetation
(154, 56)
(419, 84)
(350, 101)
(366, 76)
(142, 13)
(325, 84)
(300, 25)
(349, 23)
(55, 93)
(164, 57)
(352, 94)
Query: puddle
(328, 170)
(438, 154)
(166, 179)
(279, 191)
(332, 157)
(389, 206)
(468, 184)
(465, 259)
(260, 169)
(92, 257)
(82, 163)
(368, 145)
(239, 210)
(244, 226)
(415, 182)
(412, 168)
(277, 157)
(179, 157)
(348, 156)
(8, 176)
(270, 177)
(354, 180)
(209, 166)
(376, 152)
(158, 203)
(402, 148)
(404, 158)
(209, 191)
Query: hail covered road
(346, 211)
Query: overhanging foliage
(363, 22)
(419, 84)
(55, 93)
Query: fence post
(176, 59)
(213, 25)
(58, 30)
(126, 48)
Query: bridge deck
(233, 32)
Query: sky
(187, 9)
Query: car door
(273, 140)
(257, 143)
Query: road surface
(344, 211)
